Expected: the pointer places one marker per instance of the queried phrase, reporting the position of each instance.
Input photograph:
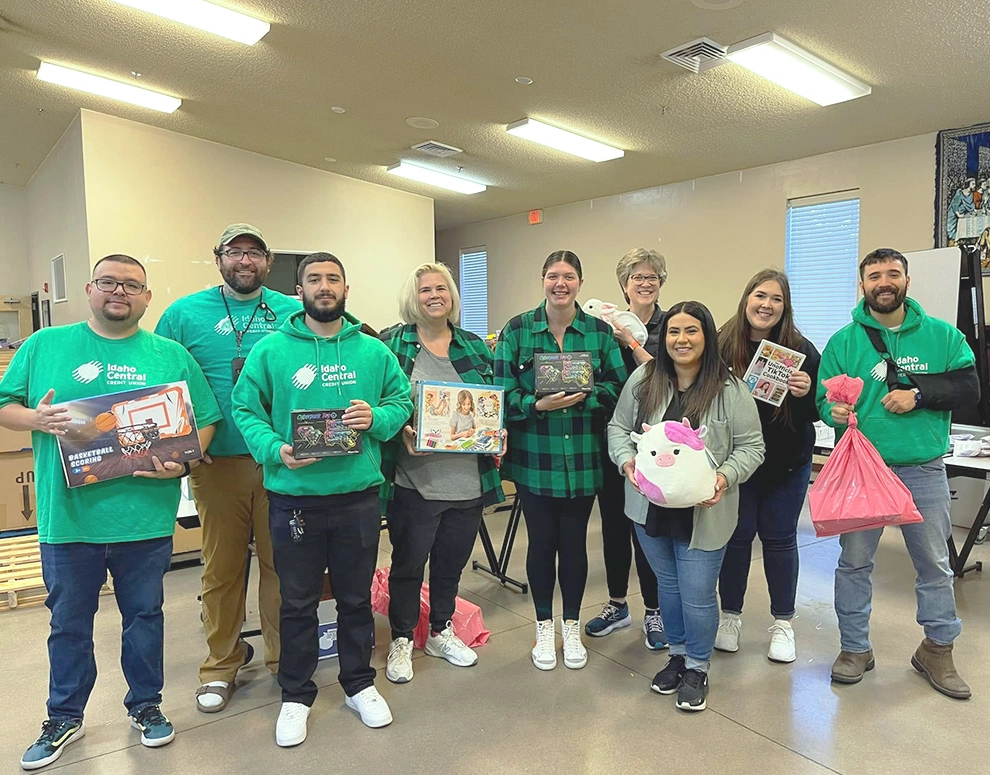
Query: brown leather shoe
(935, 663)
(849, 668)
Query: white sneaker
(781, 642)
(399, 669)
(447, 645)
(290, 729)
(727, 637)
(545, 649)
(371, 706)
(575, 654)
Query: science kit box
(564, 373)
(116, 434)
(458, 417)
(322, 433)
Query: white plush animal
(673, 467)
(611, 314)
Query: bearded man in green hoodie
(916, 370)
(323, 512)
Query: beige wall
(715, 232)
(14, 278)
(56, 223)
(165, 198)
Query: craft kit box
(564, 373)
(457, 417)
(116, 434)
(322, 433)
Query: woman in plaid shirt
(555, 458)
(434, 501)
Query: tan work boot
(935, 663)
(849, 668)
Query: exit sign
(535, 217)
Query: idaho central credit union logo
(87, 372)
(224, 327)
(304, 376)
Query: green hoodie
(922, 344)
(294, 369)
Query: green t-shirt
(200, 323)
(79, 363)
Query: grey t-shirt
(461, 422)
(449, 476)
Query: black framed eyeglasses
(236, 254)
(108, 285)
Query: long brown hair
(660, 377)
(733, 340)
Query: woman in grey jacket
(685, 546)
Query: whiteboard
(935, 278)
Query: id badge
(237, 366)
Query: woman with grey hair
(641, 273)
(434, 501)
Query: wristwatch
(917, 396)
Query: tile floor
(504, 716)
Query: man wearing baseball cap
(219, 326)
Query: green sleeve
(395, 406)
(607, 387)
(519, 405)
(252, 409)
(14, 387)
(164, 327)
(204, 403)
(829, 368)
(960, 353)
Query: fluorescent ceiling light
(104, 87)
(423, 175)
(206, 16)
(562, 140)
(784, 63)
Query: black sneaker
(669, 679)
(693, 692)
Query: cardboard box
(438, 413)
(14, 441)
(186, 539)
(18, 501)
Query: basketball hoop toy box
(116, 434)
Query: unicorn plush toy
(673, 467)
(611, 314)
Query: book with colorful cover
(459, 417)
(322, 433)
(116, 434)
(769, 371)
(564, 373)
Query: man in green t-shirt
(219, 327)
(124, 525)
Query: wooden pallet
(21, 582)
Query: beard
(323, 314)
(243, 284)
(884, 308)
(114, 315)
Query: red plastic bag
(856, 490)
(468, 622)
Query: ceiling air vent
(434, 148)
(697, 56)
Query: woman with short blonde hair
(411, 311)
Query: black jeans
(558, 546)
(770, 507)
(340, 534)
(617, 530)
(442, 532)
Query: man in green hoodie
(916, 369)
(324, 512)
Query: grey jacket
(734, 438)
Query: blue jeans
(686, 579)
(74, 574)
(926, 544)
(770, 507)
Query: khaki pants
(232, 501)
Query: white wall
(56, 218)
(165, 198)
(14, 279)
(714, 232)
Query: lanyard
(239, 335)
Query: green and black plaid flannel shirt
(472, 360)
(558, 453)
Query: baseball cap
(236, 230)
